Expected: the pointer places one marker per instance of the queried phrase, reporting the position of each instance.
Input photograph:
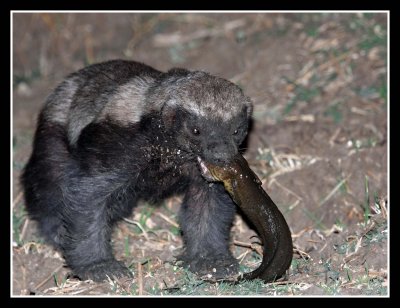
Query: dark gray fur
(119, 131)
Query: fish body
(245, 188)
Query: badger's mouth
(205, 172)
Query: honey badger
(120, 131)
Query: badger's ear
(168, 113)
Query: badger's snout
(220, 152)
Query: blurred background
(319, 138)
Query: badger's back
(115, 89)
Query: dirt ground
(318, 142)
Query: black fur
(77, 191)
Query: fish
(244, 187)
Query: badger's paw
(216, 267)
(101, 271)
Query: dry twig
(48, 277)
(252, 246)
(17, 198)
(140, 278)
(24, 228)
(167, 219)
(139, 226)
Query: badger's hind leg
(206, 218)
(41, 180)
(75, 211)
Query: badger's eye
(196, 131)
(235, 132)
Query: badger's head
(209, 115)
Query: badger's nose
(222, 156)
(220, 152)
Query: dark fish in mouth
(244, 187)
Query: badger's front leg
(87, 250)
(206, 218)
(89, 215)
